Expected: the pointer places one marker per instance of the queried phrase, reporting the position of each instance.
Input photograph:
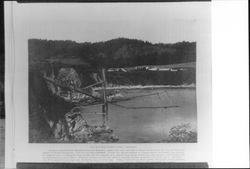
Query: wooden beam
(105, 102)
(75, 89)
(95, 84)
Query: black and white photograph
(126, 79)
(120, 90)
(125, 84)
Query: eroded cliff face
(45, 108)
(69, 77)
(53, 118)
(75, 128)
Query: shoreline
(148, 87)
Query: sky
(94, 22)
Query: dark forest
(120, 52)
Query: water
(147, 125)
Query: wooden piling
(105, 102)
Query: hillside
(120, 52)
(87, 58)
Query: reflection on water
(148, 124)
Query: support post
(105, 102)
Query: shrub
(182, 133)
